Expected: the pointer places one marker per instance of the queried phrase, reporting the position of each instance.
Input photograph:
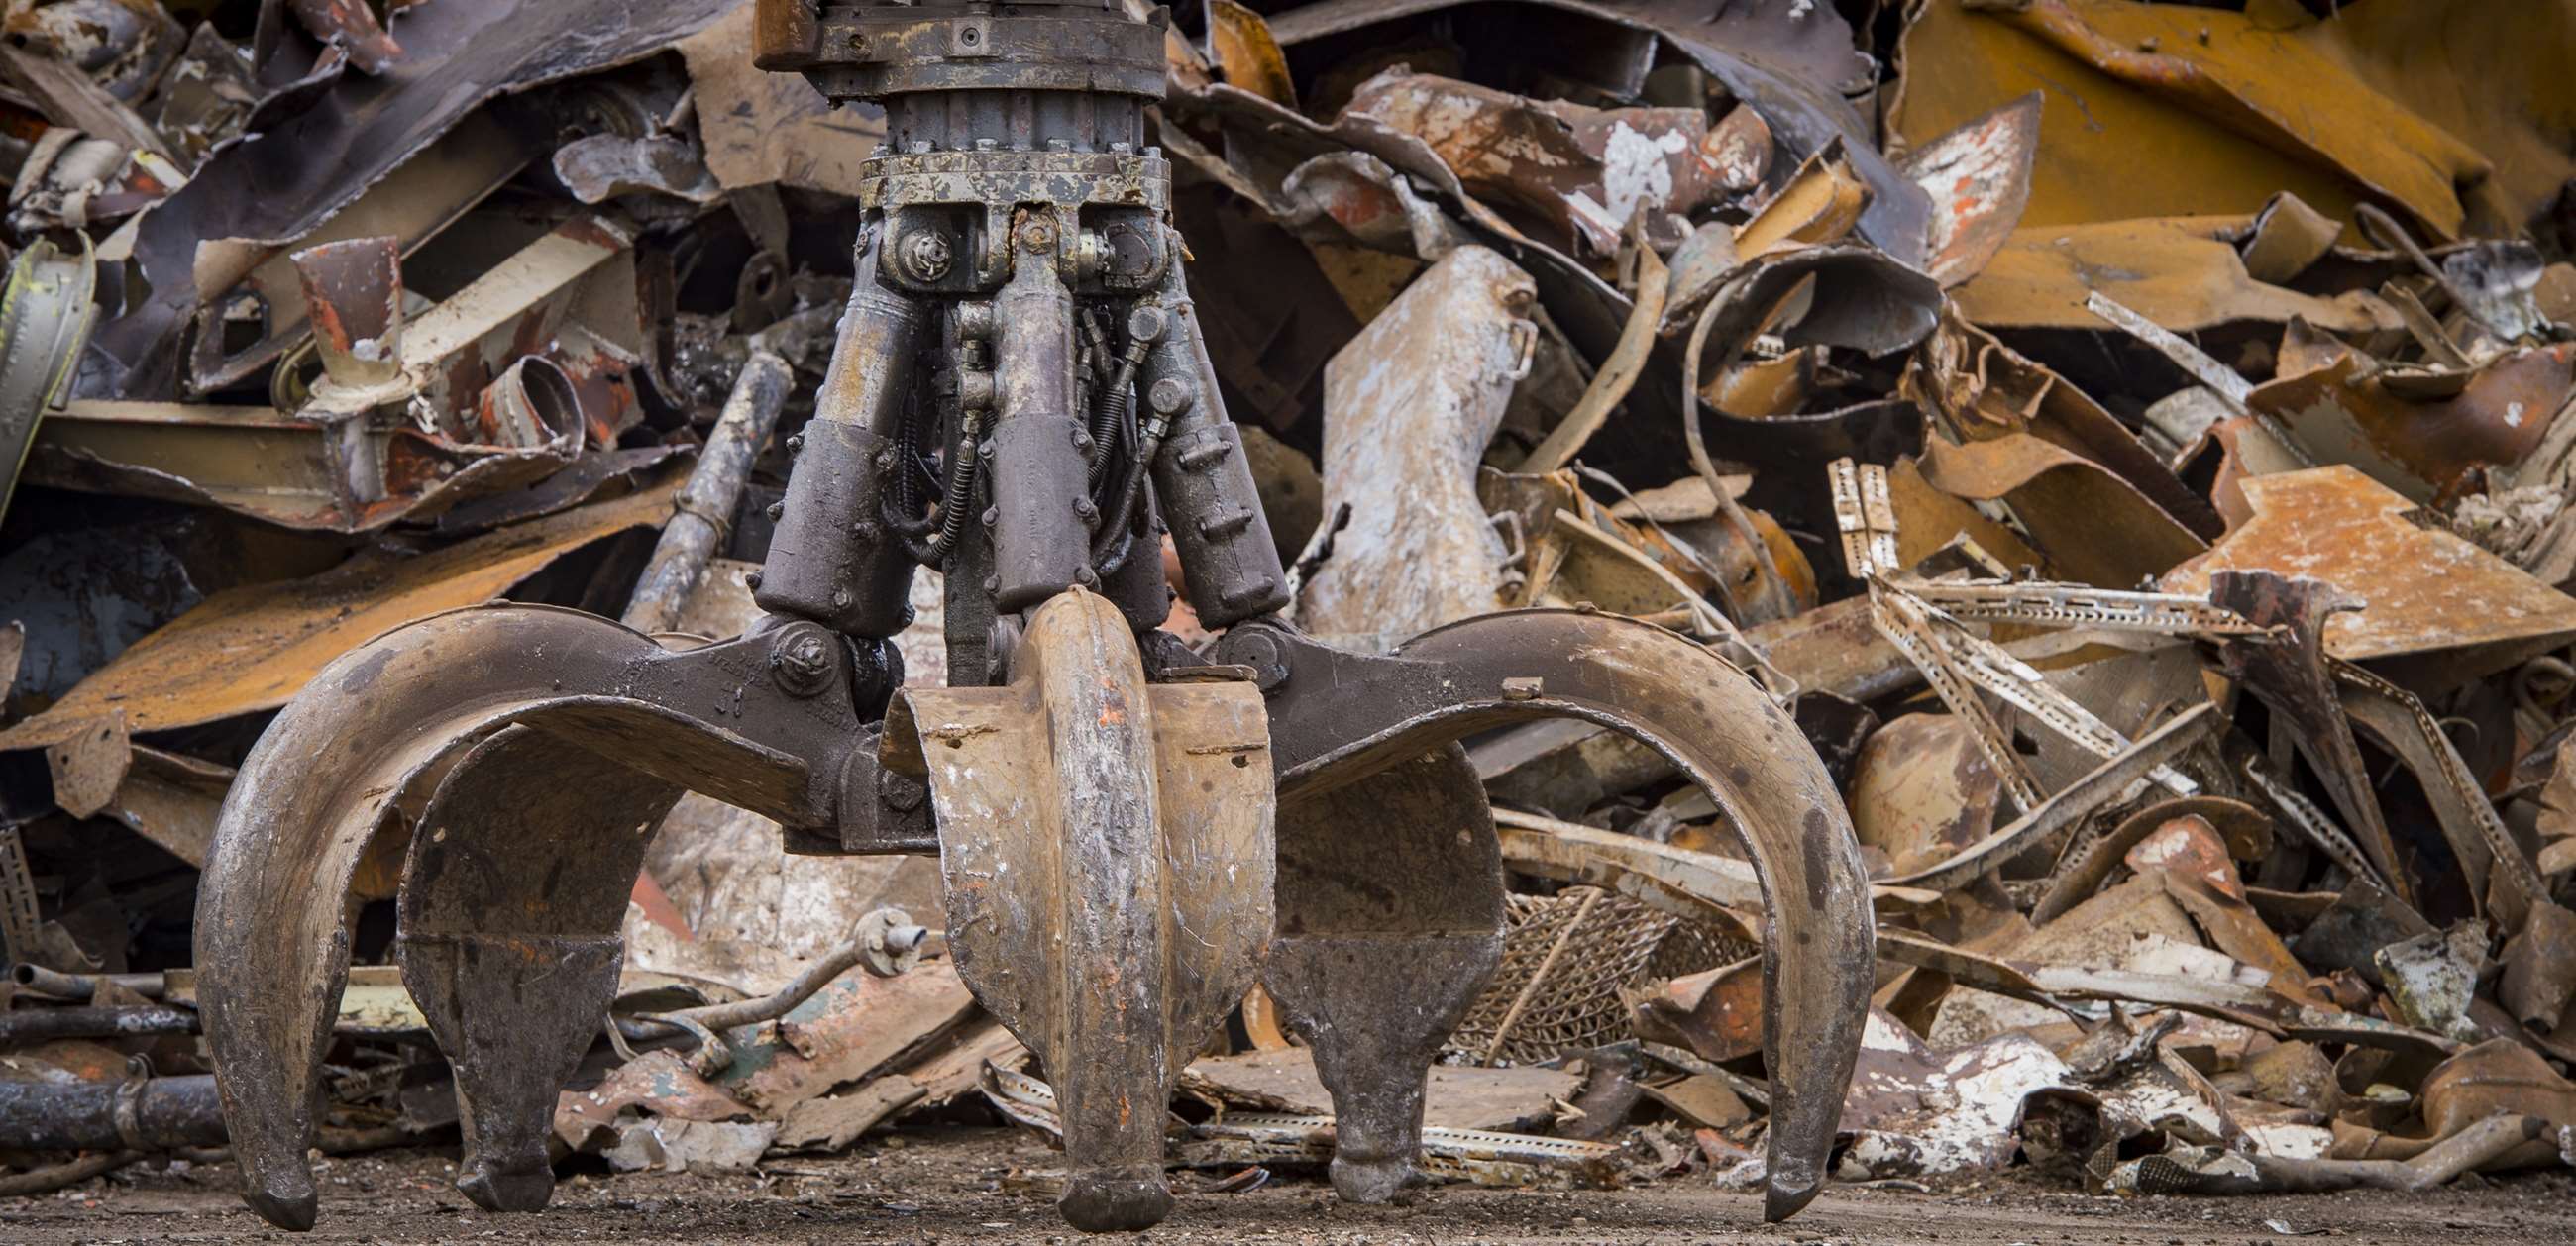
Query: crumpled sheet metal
(2066, 502)
(1985, 389)
(277, 187)
(1978, 180)
(761, 128)
(2160, 110)
(251, 648)
(1790, 63)
(1913, 1112)
(2183, 273)
(1410, 404)
(1585, 171)
(2436, 611)
(2426, 434)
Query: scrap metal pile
(2132, 441)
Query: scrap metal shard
(253, 648)
(2436, 611)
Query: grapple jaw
(1357, 914)
(517, 758)
(1107, 849)
(1125, 849)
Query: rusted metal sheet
(2157, 111)
(1788, 63)
(278, 186)
(2435, 610)
(2181, 272)
(1408, 403)
(253, 648)
(2425, 433)
(1978, 179)
(1585, 171)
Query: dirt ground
(984, 1185)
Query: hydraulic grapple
(1131, 833)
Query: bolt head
(1148, 323)
(1169, 396)
(795, 443)
(751, 580)
(775, 510)
(803, 659)
(927, 254)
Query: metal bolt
(775, 510)
(801, 660)
(927, 254)
(1169, 396)
(795, 443)
(1087, 578)
(1037, 235)
(1082, 439)
(992, 584)
(751, 580)
(841, 599)
(885, 459)
(1147, 323)
(1085, 510)
(992, 515)
(900, 791)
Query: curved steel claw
(1107, 849)
(1339, 718)
(528, 753)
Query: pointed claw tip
(1372, 1181)
(1115, 1203)
(1785, 1198)
(496, 1190)
(291, 1209)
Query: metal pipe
(35, 979)
(43, 1025)
(706, 504)
(146, 1114)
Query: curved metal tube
(359, 752)
(1338, 718)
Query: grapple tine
(1107, 849)
(766, 721)
(509, 937)
(1390, 924)
(1338, 718)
